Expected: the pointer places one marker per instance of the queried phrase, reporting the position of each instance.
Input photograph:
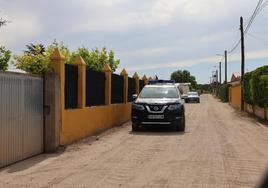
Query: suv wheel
(181, 125)
(135, 128)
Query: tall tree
(184, 76)
(3, 22)
(4, 58)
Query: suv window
(159, 92)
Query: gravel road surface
(220, 148)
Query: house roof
(235, 77)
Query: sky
(152, 37)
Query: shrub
(4, 58)
(96, 59)
(36, 59)
(224, 92)
(260, 86)
(247, 86)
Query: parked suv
(158, 104)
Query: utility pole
(225, 55)
(217, 83)
(220, 71)
(242, 62)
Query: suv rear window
(159, 92)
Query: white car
(192, 97)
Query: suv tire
(135, 128)
(180, 126)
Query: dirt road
(220, 148)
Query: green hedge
(224, 92)
(247, 88)
(256, 87)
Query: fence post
(108, 80)
(81, 82)
(125, 75)
(145, 79)
(59, 68)
(137, 81)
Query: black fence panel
(71, 86)
(141, 84)
(117, 89)
(131, 88)
(95, 88)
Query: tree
(36, 58)
(3, 22)
(62, 48)
(112, 61)
(96, 59)
(184, 76)
(35, 49)
(4, 58)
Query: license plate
(155, 116)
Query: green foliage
(184, 77)
(62, 48)
(4, 58)
(36, 59)
(224, 92)
(204, 88)
(260, 86)
(96, 59)
(247, 88)
(35, 49)
(33, 60)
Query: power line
(255, 13)
(260, 6)
(265, 42)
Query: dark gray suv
(158, 104)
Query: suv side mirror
(134, 96)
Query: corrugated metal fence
(21, 117)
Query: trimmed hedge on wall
(224, 92)
(256, 87)
(247, 88)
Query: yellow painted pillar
(81, 81)
(125, 75)
(150, 78)
(58, 65)
(108, 81)
(145, 79)
(137, 80)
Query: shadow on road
(31, 161)
(156, 131)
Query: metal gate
(21, 117)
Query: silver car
(192, 97)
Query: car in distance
(192, 97)
(158, 104)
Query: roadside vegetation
(256, 87)
(224, 92)
(35, 58)
(184, 76)
(5, 56)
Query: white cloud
(148, 52)
(122, 14)
(191, 62)
(23, 26)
